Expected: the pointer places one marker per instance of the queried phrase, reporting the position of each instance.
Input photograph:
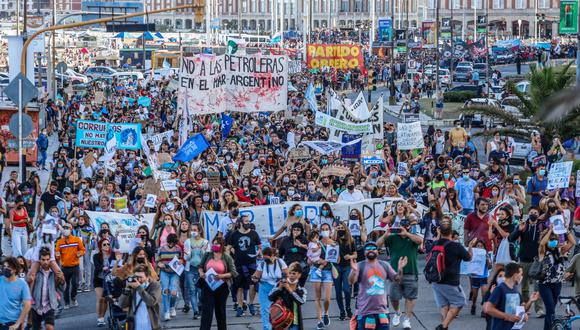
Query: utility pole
(282, 20)
(53, 51)
(475, 19)
(450, 82)
(373, 23)
(239, 18)
(437, 47)
(392, 99)
(487, 67)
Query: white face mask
(325, 233)
(292, 281)
(194, 234)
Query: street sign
(29, 91)
(61, 67)
(27, 125)
(26, 144)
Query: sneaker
(540, 314)
(235, 307)
(406, 323)
(87, 289)
(472, 309)
(101, 322)
(79, 290)
(396, 319)
(75, 303)
(172, 312)
(326, 319)
(195, 315)
(245, 306)
(349, 313)
(239, 312)
(167, 316)
(66, 307)
(342, 316)
(186, 309)
(252, 309)
(320, 325)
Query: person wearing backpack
(372, 274)
(194, 249)
(270, 270)
(449, 295)
(287, 297)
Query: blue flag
(227, 123)
(311, 98)
(194, 146)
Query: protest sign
(332, 253)
(88, 159)
(372, 160)
(354, 227)
(328, 147)
(299, 153)
(151, 187)
(202, 84)
(344, 57)
(211, 279)
(559, 175)
(150, 200)
(409, 136)
(94, 134)
(351, 151)
(176, 266)
(559, 227)
(328, 121)
(123, 226)
(336, 170)
(402, 168)
(294, 66)
(169, 185)
(242, 82)
(144, 101)
(578, 183)
(157, 139)
(477, 264)
(269, 218)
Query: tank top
(20, 219)
(217, 265)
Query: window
(358, 6)
(520, 4)
(431, 4)
(344, 6)
(262, 6)
(457, 4)
(253, 4)
(498, 4)
(543, 4)
(477, 4)
(244, 6)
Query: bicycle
(564, 322)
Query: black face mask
(246, 226)
(552, 209)
(350, 187)
(268, 260)
(252, 196)
(532, 218)
(326, 184)
(140, 260)
(353, 217)
(235, 213)
(341, 233)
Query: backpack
(435, 266)
(281, 317)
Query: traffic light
(372, 81)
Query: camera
(131, 279)
(395, 230)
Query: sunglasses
(106, 244)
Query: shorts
(325, 278)
(448, 295)
(478, 282)
(98, 283)
(47, 318)
(244, 278)
(408, 288)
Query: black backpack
(435, 267)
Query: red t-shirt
(577, 213)
(478, 228)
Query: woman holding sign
(215, 270)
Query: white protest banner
(269, 218)
(559, 175)
(327, 121)
(409, 136)
(157, 139)
(202, 84)
(256, 82)
(557, 222)
(328, 147)
(477, 264)
(359, 109)
(123, 226)
(370, 141)
(169, 185)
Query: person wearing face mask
(552, 256)
(528, 234)
(465, 188)
(16, 299)
(477, 224)
(500, 227)
(458, 134)
(246, 246)
(168, 277)
(268, 273)
(321, 277)
(538, 185)
(350, 194)
(214, 301)
(326, 189)
(16, 225)
(69, 251)
(141, 297)
(325, 216)
(295, 215)
(291, 294)
(193, 250)
(372, 275)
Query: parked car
(477, 90)
(483, 70)
(523, 86)
(478, 120)
(444, 77)
(462, 73)
(99, 71)
(465, 64)
(125, 75)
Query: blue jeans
(263, 290)
(342, 288)
(193, 291)
(41, 158)
(549, 293)
(169, 287)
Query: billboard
(568, 17)
(334, 56)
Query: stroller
(112, 291)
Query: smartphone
(395, 230)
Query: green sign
(568, 17)
(401, 49)
(481, 30)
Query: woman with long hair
(347, 253)
(215, 300)
(268, 273)
(429, 224)
(455, 206)
(147, 243)
(103, 262)
(137, 257)
(168, 277)
(325, 216)
(194, 249)
(295, 214)
(321, 277)
(165, 228)
(293, 248)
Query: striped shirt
(166, 254)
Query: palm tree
(538, 106)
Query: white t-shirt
(142, 321)
(273, 272)
(355, 196)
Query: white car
(76, 77)
(99, 72)
(134, 75)
(465, 65)
(523, 86)
(444, 76)
(520, 149)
